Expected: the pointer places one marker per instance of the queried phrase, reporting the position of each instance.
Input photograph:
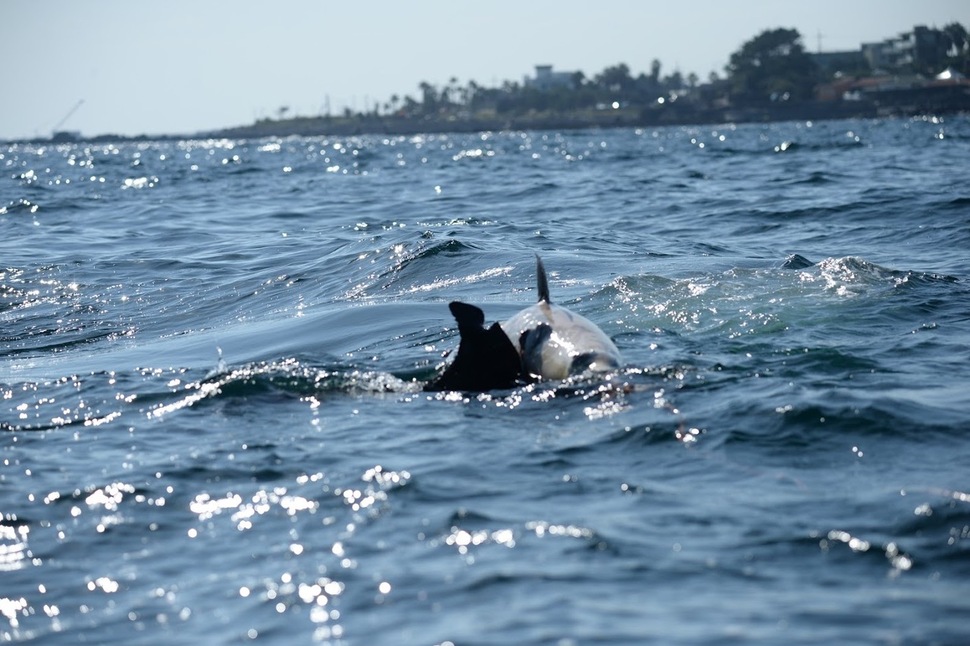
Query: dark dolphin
(544, 341)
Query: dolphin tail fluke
(541, 281)
(467, 316)
(486, 358)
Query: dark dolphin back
(486, 358)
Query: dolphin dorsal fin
(542, 283)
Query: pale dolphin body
(544, 341)
(555, 343)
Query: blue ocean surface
(212, 428)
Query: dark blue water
(212, 430)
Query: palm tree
(429, 97)
(469, 93)
(959, 46)
(448, 94)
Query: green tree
(674, 81)
(411, 106)
(772, 65)
(616, 78)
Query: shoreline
(650, 117)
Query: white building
(546, 79)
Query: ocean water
(212, 428)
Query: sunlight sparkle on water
(463, 539)
(105, 584)
(13, 547)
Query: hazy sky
(175, 66)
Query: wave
(285, 378)
(20, 207)
(814, 178)
(113, 398)
(782, 147)
(413, 267)
(958, 204)
(770, 298)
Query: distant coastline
(905, 105)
